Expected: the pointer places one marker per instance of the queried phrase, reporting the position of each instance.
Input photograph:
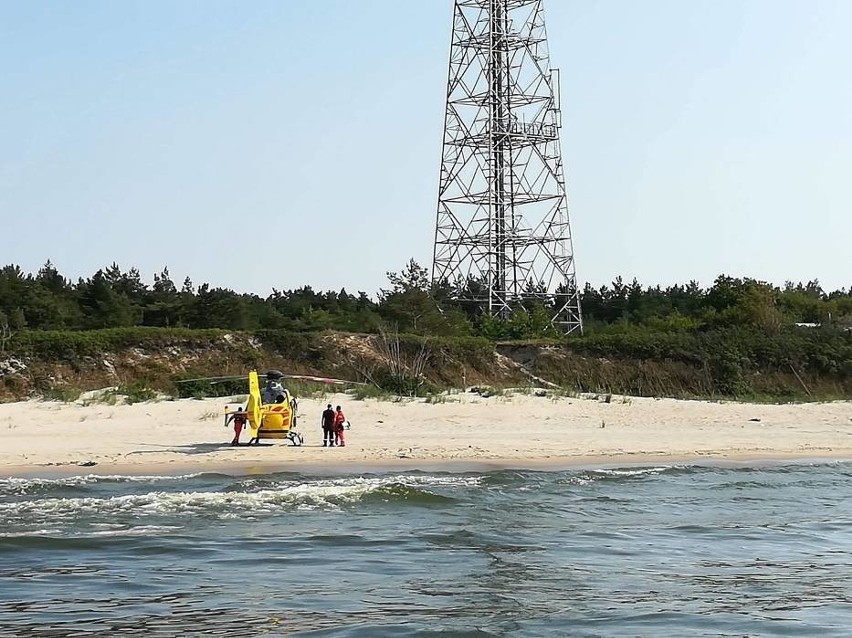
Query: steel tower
(502, 236)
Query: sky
(280, 143)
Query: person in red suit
(239, 420)
(339, 420)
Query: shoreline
(592, 462)
(464, 433)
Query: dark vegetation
(738, 338)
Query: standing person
(239, 420)
(328, 427)
(294, 411)
(339, 420)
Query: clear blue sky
(284, 142)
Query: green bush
(135, 393)
(70, 345)
(66, 395)
(205, 388)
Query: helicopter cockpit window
(271, 392)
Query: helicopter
(271, 411)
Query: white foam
(34, 532)
(307, 495)
(20, 486)
(641, 471)
(140, 530)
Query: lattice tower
(502, 238)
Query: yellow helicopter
(271, 412)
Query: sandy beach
(465, 431)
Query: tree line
(112, 297)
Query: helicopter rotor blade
(303, 377)
(236, 377)
(327, 380)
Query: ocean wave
(615, 475)
(115, 531)
(138, 530)
(633, 472)
(395, 492)
(243, 500)
(17, 486)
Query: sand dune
(466, 431)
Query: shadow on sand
(197, 448)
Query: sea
(684, 550)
